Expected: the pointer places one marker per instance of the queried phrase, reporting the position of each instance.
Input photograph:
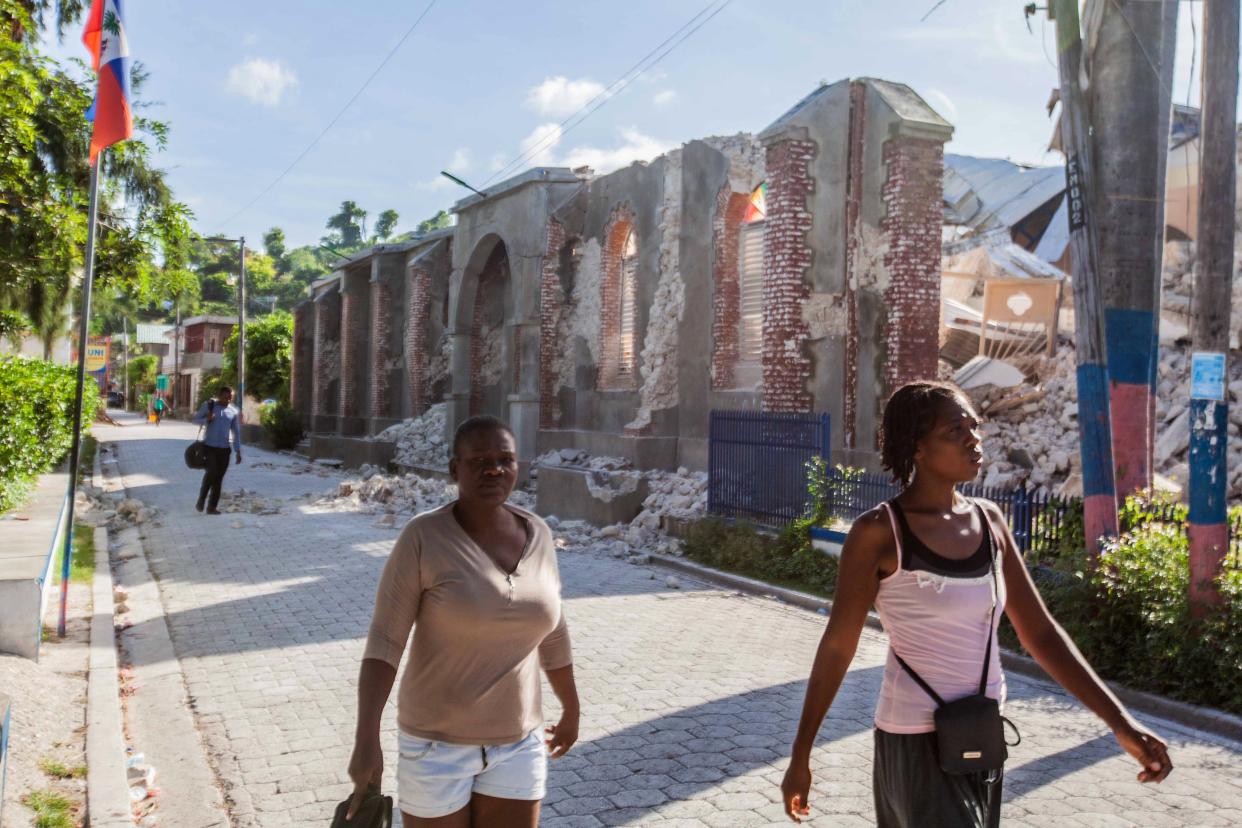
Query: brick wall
(912, 195)
(726, 295)
(417, 318)
(786, 365)
(381, 348)
(322, 368)
(352, 318)
(853, 215)
(611, 375)
(494, 276)
(300, 360)
(551, 303)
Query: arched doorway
(492, 370)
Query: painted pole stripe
(1131, 407)
(1096, 436)
(1209, 436)
(1131, 338)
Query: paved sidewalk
(690, 697)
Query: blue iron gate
(757, 463)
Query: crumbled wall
(581, 318)
(786, 366)
(659, 355)
(381, 348)
(612, 377)
(551, 310)
(417, 318)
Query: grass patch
(82, 567)
(86, 457)
(51, 810)
(17, 494)
(59, 770)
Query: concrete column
(381, 353)
(354, 347)
(459, 397)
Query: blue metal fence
(757, 463)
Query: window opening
(629, 292)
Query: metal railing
(757, 463)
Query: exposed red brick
(913, 195)
(727, 294)
(301, 359)
(787, 255)
(551, 303)
(381, 348)
(494, 276)
(613, 376)
(353, 332)
(853, 214)
(325, 326)
(417, 317)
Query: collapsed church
(795, 270)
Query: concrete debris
(420, 441)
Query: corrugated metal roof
(987, 193)
(148, 333)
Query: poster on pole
(1207, 376)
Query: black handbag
(196, 452)
(970, 732)
(374, 812)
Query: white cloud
(664, 97)
(460, 162)
(541, 142)
(545, 139)
(942, 103)
(498, 161)
(261, 81)
(559, 96)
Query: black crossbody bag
(970, 732)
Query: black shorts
(911, 791)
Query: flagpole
(75, 450)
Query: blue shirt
(226, 420)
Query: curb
(107, 792)
(1215, 722)
(166, 730)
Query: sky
(247, 87)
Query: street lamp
(241, 319)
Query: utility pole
(1130, 106)
(176, 356)
(241, 331)
(1095, 433)
(1210, 301)
(125, 361)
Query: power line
(336, 117)
(621, 83)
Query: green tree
(269, 350)
(439, 221)
(348, 226)
(386, 224)
(44, 180)
(142, 371)
(274, 245)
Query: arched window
(628, 296)
(750, 278)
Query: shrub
(282, 423)
(787, 558)
(212, 380)
(36, 410)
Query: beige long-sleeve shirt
(481, 636)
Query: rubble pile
(420, 441)
(400, 496)
(248, 502)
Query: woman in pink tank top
(939, 568)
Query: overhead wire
(615, 88)
(336, 117)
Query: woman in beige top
(479, 581)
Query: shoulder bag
(970, 732)
(375, 811)
(196, 452)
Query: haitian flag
(105, 39)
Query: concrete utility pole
(1210, 302)
(1095, 434)
(1131, 106)
(125, 360)
(176, 357)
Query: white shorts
(435, 779)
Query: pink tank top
(939, 624)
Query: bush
(212, 380)
(36, 410)
(787, 559)
(282, 423)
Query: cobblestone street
(690, 696)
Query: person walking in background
(222, 422)
(158, 407)
(477, 581)
(940, 569)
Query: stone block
(598, 497)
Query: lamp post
(241, 319)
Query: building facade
(793, 270)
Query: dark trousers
(213, 475)
(911, 791)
